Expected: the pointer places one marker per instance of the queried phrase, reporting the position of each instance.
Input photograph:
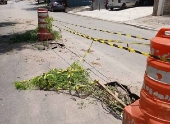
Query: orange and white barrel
(43, 32)
(154, 103)
(133, 115)
(160, 45)
(42, 15)
(154, 110)
(155, 93)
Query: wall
(166, 7)
(96, 4)
(74, 3)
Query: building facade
(74, 3)
(166, 9)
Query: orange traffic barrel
(155, 93)
(159, 74)
(154, 103)
(155, 111)
(160, 45)
(42, 9)
(43, 32)
(133, 115)
(42, 15)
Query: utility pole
(91, 1)
(155, 7)
(160, 7)
(99, 5)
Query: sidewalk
(138, 16)
(151, 22)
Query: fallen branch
(110, 92)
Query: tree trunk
(155, 7)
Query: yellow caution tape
(86, 52)
(118, 33)
(115, 45)
(116, 41)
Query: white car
(122, 4)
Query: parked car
(122, 4)
(146, 2)
(105, 4)
(3, 1)
(56, 5)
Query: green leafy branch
(49, 22)
(74, 78)
(57, 79)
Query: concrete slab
(151, 22)
(118, 15)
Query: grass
(56, 34)
(29, 37)
(74, 78)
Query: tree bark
(155, 7)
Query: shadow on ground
(5, 24)
(166, 14)
(34, 8)
(7, 46)
(26, 40)
(118, 9)
(43, 2)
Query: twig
(110, 92)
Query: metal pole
(160, 7)
(99, 5)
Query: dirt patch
(90, 51)
(96, 63)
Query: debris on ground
(76, 80)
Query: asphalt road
(116, 64)
(19, 62)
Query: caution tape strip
(110, 32)
(115, 45)
(86, 52)
(116, 41)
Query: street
(22, 62)
(115, 63)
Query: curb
(134, 25)
(95, 18)
(141, 26)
